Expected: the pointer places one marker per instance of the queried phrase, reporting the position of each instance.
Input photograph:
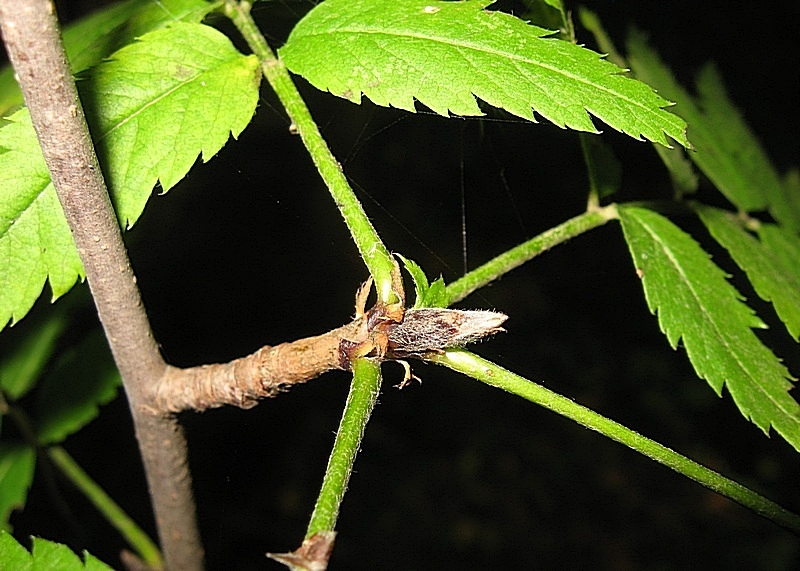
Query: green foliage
(160, 101)
(45, 555)
(766, 263)
(443, 54)
(66, 386)
(69, 397)
(21, 367)
(153, 107)
(35, 241)
(95, 37)
(725, 148)
(16, 474)
(427, 294)
(160, 89)
(694, 302)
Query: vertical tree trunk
(31, 34)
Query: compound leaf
(695, 302)
(766, 264)
(726, 150)
(444, 54)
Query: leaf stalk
(485, 371)
(518, 255)
(376, 256)
(133, 534)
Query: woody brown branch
(383, 333)
(265, 373)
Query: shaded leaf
(605, 171)
(684, 179)
(784, 245)
(444, 54)
(17, 463)
(695, 302)
(70, 396)
(767, 265)
(726, 150)
(23, 359)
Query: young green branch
(380, 263)
(518, 255)
(478, 368)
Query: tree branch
(33, 41)
(265, 373)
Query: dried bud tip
(436, 329)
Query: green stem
(376, 256)
(518, 255)
(360, 403)
(494, 375)
(133, 534)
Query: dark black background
(250, 250)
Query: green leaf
(94, 37)
(684, 179)
(768, 266)
(695, 302)
(159, 102)
(46, 555)
(16, 474)
(69, 397)
(437, 295)
(419, 278)
(23, 359)
(443, 54)
(35, 241)
(726, 150)
(426, 295)
(784, 245)
(12, 555)
(549, 14)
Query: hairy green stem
(494, 375)
(360, 403)
(524, 252)
(376, 256)
(133, 534)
